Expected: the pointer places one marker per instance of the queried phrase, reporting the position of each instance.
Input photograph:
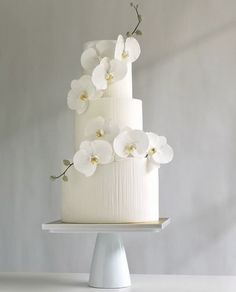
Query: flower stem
(63, 173)
(139, 20)
(135, 30)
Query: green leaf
(65, 178)
(66, 162)
(52, 177)
(138, 32)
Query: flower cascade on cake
(105, 63)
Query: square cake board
(61, 227)
(109, 268)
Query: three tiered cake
(114, 174)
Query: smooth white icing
(124, 191)
(123, 112)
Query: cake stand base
(109, 268)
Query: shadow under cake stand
(109, 268)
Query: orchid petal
(136, 138)
(72, 100)
(106, 63)
(106, 49)
(132, 48)
(76, 85)
(83, 164)
(98, 77)
(140, 139)
(120, 143)
(155, 140)
(80, 87)
(87, 86)
(103, 150)
(82, 106)
(86, 145)
(118, 69)
(89, 59)
(163, 155)
(111, 130)
(119, 47)
(75, 103)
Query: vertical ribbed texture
(123, 191)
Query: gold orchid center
(152, 151)
(94, 159)
(125, 55)
(100, 133)
(83, 96)
(130, 148)
(109, 77)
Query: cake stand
(109, 268)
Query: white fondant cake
(114, 174)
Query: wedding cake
(113, 177)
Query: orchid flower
(92, 56)
(99, 128)
(159, 151)
(131, 143)
(82, 90)
(92, 154)
(127, 50)
(107, 72)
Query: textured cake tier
(122, 88)
(124, 191)
(123, 112)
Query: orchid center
(94, 159)
(100, 133)
(125, 55)
(109, 76)
(130, 148)
(83, 96)
(152, 151)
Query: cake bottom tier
(121, 192)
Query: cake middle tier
(123, 112)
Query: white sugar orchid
(92, 154)
(100, 128)
(107, 72)
(131, 143)
(82, 90)
(127, 50)
(159, 151)
(92, 56)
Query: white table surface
(140, 283)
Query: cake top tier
(107, 68)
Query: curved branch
(63, 173)
(139, 17)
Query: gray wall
(186, 77)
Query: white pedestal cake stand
(109, 268)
